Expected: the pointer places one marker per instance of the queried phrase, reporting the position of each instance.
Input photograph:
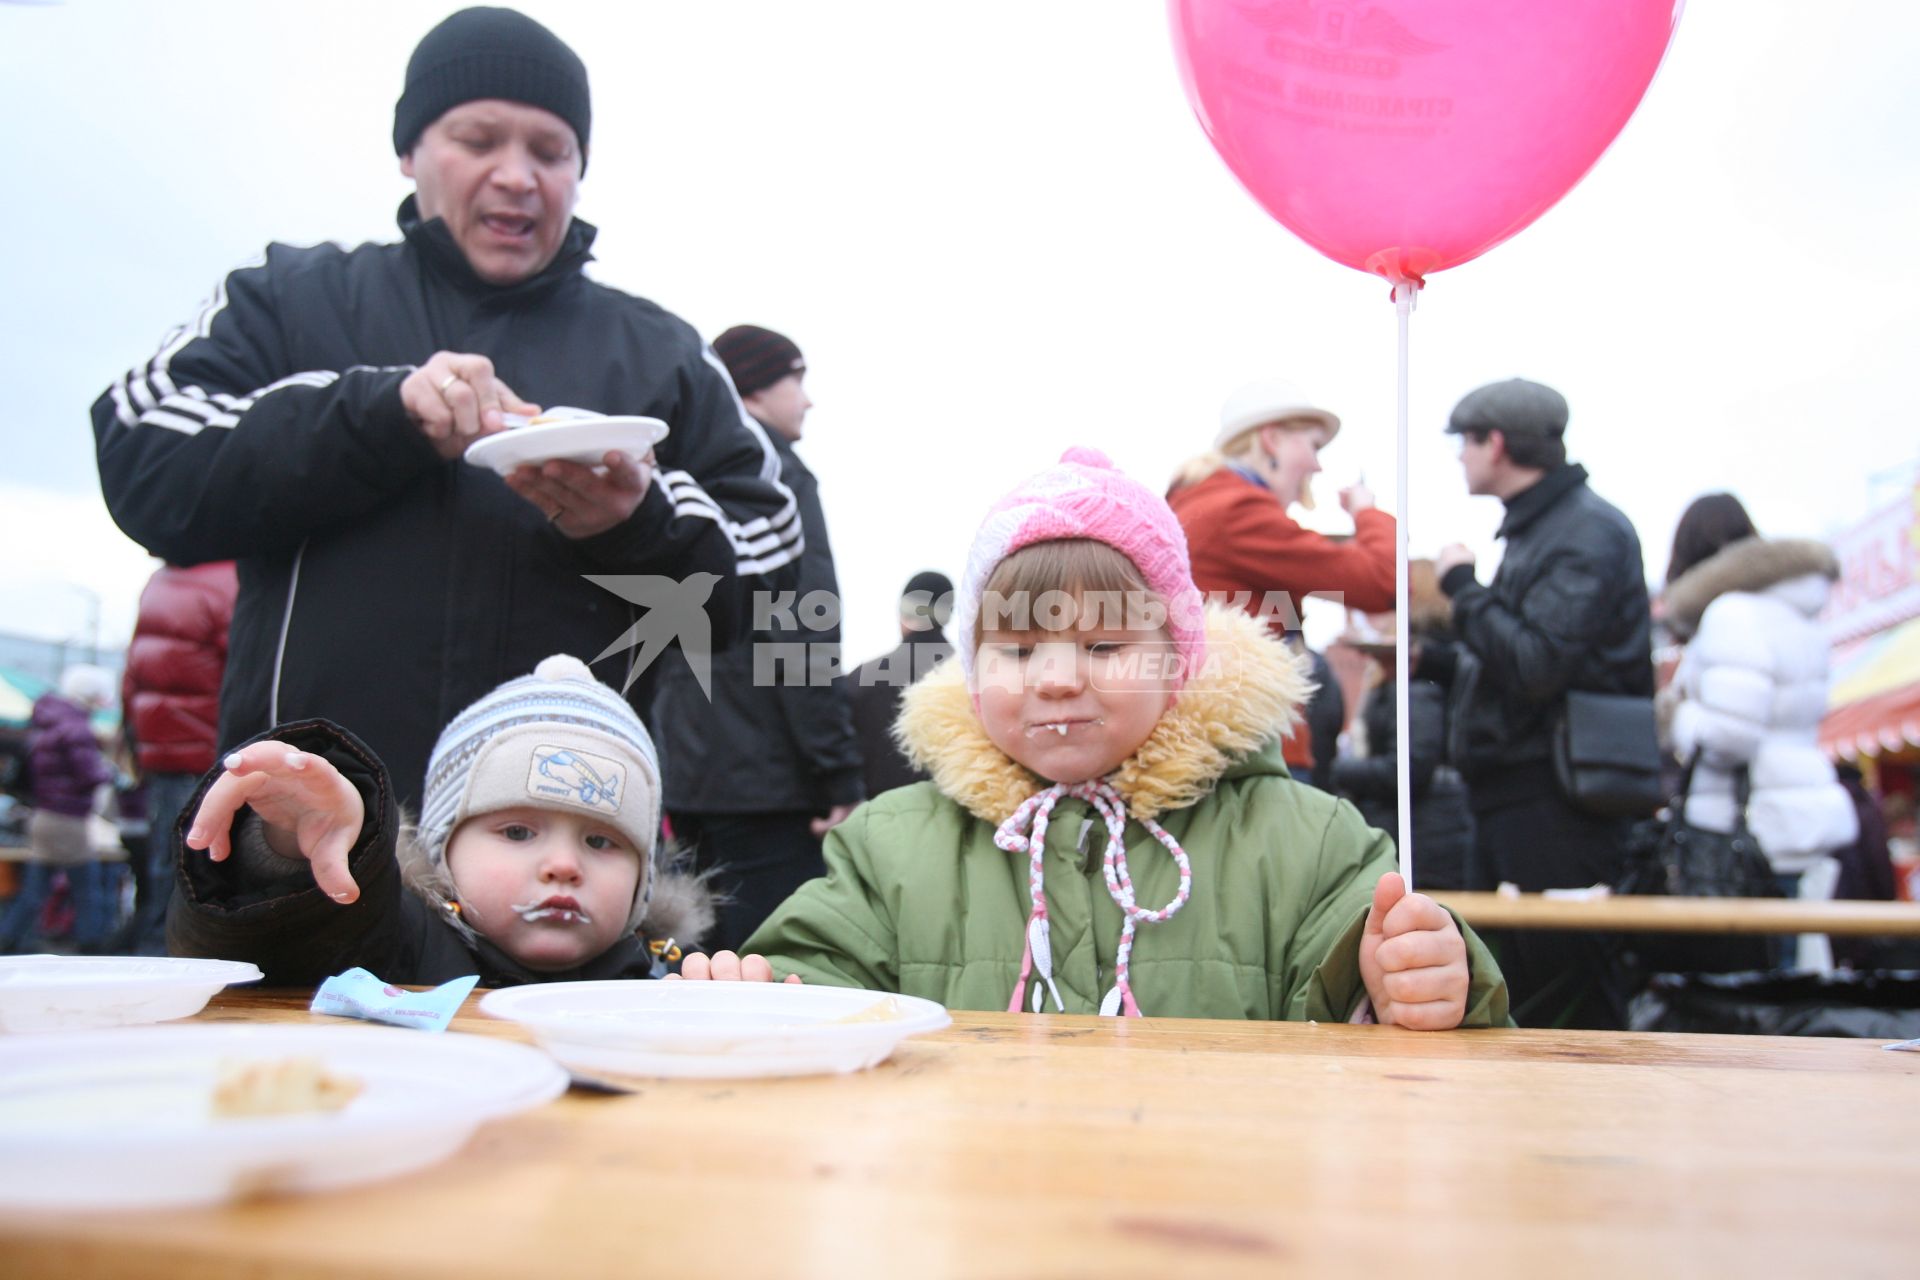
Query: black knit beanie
(928, 597)
(757, 358)
(491, 53)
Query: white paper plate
(712, 1029)
(579, 436)
(73, 993)
(120, 1119)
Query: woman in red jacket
(1233, 504)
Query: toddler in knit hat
(1109, 824)
(533, 860)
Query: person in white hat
(1249, 550)
(533, 860)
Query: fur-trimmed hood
(1752, 565)
(681, 907)
(1251, 691)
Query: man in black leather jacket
(1567, 610)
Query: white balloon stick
(1406, 294)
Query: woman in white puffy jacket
(1753, 683)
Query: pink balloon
(1403, 137)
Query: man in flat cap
(1567, 611)
(760, 764)
(310, 422)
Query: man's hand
(1413, 959)
(309, 811)
(455, 399)
(581, 501)
(726, 967)
(1451, 556)
(835, 816)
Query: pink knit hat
(1085, 496)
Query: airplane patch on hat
(575, 777)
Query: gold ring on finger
(448, 381)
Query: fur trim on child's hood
(1252, 690)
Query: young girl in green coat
(1109, 824)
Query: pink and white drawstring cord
(1026, 832)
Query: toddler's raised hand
(309, 811)
(1413, 959)
(726, 967)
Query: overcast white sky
(996, 230)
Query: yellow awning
(1873, 705)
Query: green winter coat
(918, 899)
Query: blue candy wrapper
(358, 994)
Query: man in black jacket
(1567, 610)
(875, 688)
(761, 765)
(311, 421)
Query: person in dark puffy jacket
(1442, 821)
(765, 761)
(170, 696)
(875, 688)
(1567, 610)
(68, 767)
(1326, 716)
(1867, 873)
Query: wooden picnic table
(1638, 914)
(1016, 1145)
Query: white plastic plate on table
(121, 1119)
(711, 1029)
(75, 993)
(577, 436)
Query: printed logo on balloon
(1403, 137)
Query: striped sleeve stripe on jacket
(759, 545)
(765, 542)
(689, 499)
(192, 409)
(149, 396)
(687, 493)
(145, 388)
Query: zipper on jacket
(280, 649)
(1091, 851)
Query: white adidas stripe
(173, 422)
